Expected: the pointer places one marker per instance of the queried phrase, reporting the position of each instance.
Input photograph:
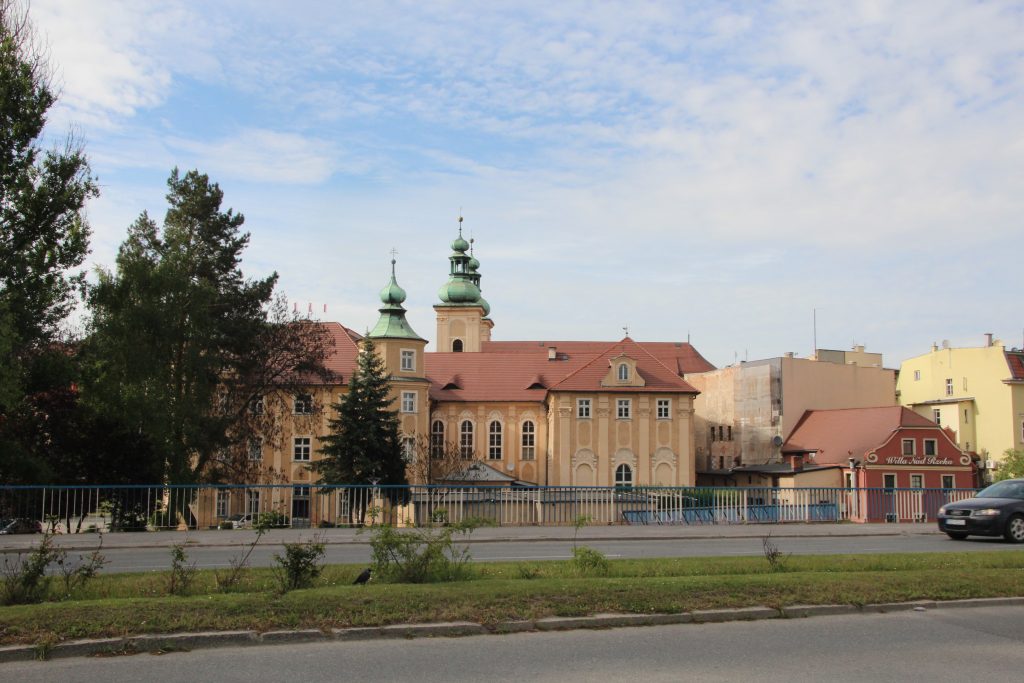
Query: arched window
(623, 372)
(624, 476)
(437, 439)
(528, 441)
(457, 346)
(494, 441)
(466, 440)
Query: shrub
(272, 519)
(587, 561)
(300, 565)
(421, 554)
(25, 580)
(182, 572)
(227, 581)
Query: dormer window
(623, 372)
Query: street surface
(128, 552)
(934, 646)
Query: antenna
(814, 349)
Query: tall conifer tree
(363, 445)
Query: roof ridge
(586, 365)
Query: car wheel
(956, 535)
(1014, 530)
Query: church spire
(392, 323)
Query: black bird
(363, 577)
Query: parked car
(20, 525)
(240, 521)
(996, 511)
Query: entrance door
(889, 497)
(300, 506)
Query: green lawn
(125, 604)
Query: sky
(726, 172)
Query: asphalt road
(131, 559)
(934, 645)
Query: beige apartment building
(744, 412)
(977, 392)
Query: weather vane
(626, 330)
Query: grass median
(129, 604)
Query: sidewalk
(524, 534)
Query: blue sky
(711, 169)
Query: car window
(1004, 489)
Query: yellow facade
(971, 391)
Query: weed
(75, 575)
(528, 571)
(25, 580)
(300, 565)
(775, 557)
(421, 554)
(578, 523)
(228, 580)
(587, 561)
(43, 649)
(182, 572)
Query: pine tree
(363, 446)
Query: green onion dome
(458, 291)
(486, 306)
(392, 293)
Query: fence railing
(78, 509)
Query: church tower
(463, 321)
(402, 351)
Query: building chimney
(988, 339)
(796, 461)
(859, 348)
(945, 343)
(935, 347)
(788, 354)
(552, 353)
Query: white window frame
(407, 360)
(223, 503)
(949, 386)
(622, 372)
(624, 481)
(903, 446)
(302, 448)
(624, 409)
(408, 401)
(664, 408)
(437, 439)
(494, 440)
(303, 404)
(934, 444)
(583, 409)
(937, 416)
(409, 449)
(528, 440)
(466, 439)
(256, 449)
(252, 502)
(917, 481)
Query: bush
(420, 554)
(25, 580)
(587, 561)
(182, 572)
(299, 566)
(273, 519)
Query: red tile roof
(657, 377)
(838, 435)
(341, 360)
(1015, 359)
(680, 357)
(493, 376)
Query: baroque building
(548, 413)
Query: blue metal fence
(78, 509)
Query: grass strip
(496, 593)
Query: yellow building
(977, 392)
(535, 412)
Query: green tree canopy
(363, 445)
(44, 238)
(182, 342)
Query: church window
(623, 372)
(664, 408)
(466, 439)
(583, 408)
(623, 408)
(437, 439)
(457, 346)
(528, 440)
(494, 441)
(624, 476)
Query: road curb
(210, 639)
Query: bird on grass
(363, 577)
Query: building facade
(745, 411)
(977, 392)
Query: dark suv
(996, 511)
